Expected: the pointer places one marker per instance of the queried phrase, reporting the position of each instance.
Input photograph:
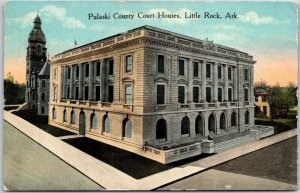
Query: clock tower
(35, 59)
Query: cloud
(222, 37)
(180, 12)
(48, 13)
(226, 27)
(253, 18)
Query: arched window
(54, 114)
(185, 125)
(199, 126)
(212, 123)
(127, 128)
(246, 117)
(223, 121)
(106, 124)
(43, 96)
(233, 119)
(94, 121)
(73, 117)
(65, 116)
(161, 129)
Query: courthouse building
(37, 70)
(153, 92)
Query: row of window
(161, 125)
(108, 97)
(161, 99)
(160, 68)
(182, 68)
(97, 66)
(106, 122)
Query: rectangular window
(55, 93)
(181, 67)
(128, 64)
(43, 83)
(110, 97)
(219, 72)
(56, 74)
(128, 94)
(87, 70)
(196, 69)
(229, 73)
(68, 92)
(161, 64)
(208, 94)
(76, 93)
(43, 110)
(246, 94)
(196, 94)
(230, 94)
(77, 71)
(160, 90)
(86, 93)
(246, 74)
(181, 94)
(220, 94)
(111, 67)
(97, 93)
(98, 65)
(69, 72)
(208, 70)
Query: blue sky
(266, 30)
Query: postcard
(141, 95)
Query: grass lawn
(280, 125)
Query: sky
(265, 30)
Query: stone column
(190, 81)
(71, 94)
(91, 80)
(235, 84)
(203, 82)
(251, 82)
(102, 80)
(80, 97)
(215, 82)
(226, 83)
(64, 80)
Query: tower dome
(37, 34)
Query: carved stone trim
(161, 79)
(196, 82)
(182, 81)
(127, 79)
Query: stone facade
(150, 91)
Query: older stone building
(37, 70)
(153, 92)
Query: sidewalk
(112, 179)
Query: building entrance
(82, 123)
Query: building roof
(37, 33)
(150, 28)
(45, 70)
(260, 91)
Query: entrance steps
(229, 144)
